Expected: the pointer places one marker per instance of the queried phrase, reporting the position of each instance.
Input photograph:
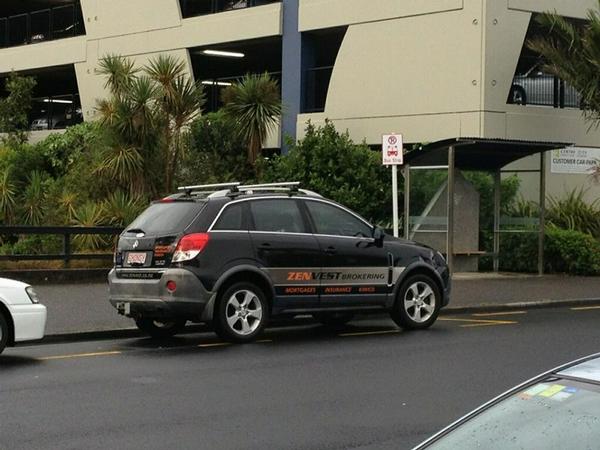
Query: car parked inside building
(22, 317)
(240, 255)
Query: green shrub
(572, 252)
(572, 212)
(35, 245)
(216, 153)
(331, 164)
(565, 251)
(62, 150)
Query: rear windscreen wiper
(136, 230)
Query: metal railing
(316, 86)
(67, 233)
(44, 25)
(192, 8)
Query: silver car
(557, 410)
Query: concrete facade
(430, 69)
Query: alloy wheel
(243, 312)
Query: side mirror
(378, 235)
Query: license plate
(136, 258)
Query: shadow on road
(10, 361)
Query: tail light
(190, 246)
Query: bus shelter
(483, 155)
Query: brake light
(190, 246)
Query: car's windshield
(556, 414)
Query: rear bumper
(151, 298)
(29, 321)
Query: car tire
(517, 95)
(333, 320)
(160, 329)
(4, 332)
(418, 303)
(242, 313)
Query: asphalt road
(369, 386)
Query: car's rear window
(165, 218)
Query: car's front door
(287, 251)
(355, 270)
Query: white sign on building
(575, 160)
(392, 150)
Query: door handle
(330, 250)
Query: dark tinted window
(161, 218)
(231, 218)
(329, 219)
(277, 215)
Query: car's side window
(232, 218)
(329, 219)
(277, 215)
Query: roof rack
(289, 185)
(233, 187)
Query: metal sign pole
(395, 198)
(393, 152)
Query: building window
(192, 8)
(319, 52)
(218, 66)
(532, 86)
(56, 104)
(20, 26)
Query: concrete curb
(125, 333)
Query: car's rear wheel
(160, 329)
(418, 303)
(333, 320)
(242, 312)
(4, 332)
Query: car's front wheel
(160, 329)
(4, 331)
(418, 303)
(242, 312)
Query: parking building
(430, 69)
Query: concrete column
(291, 71)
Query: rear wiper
(136, 230)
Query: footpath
(82, 307)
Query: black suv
(243, 254)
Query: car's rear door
(287, 251)
(355, 270)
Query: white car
(22, 318)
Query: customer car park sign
(575, 160)
(392, 150)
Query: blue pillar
(291, 71)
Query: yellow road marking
(79, 355)
(504, 322)
(215, 344)
(478, 322)
(585, 308)
(367, 333)
(507, 313)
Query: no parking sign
(392, 150)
